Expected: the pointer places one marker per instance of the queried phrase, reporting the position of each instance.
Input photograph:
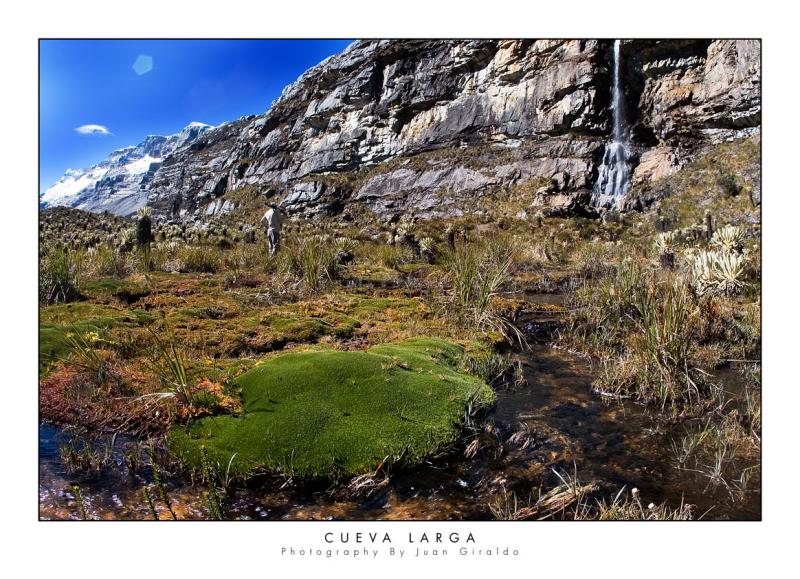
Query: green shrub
(728, 185)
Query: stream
(572, 431)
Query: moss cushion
(332, 414)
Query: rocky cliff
(119, 183)
(443, 127)
(687, 93)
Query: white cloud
(93, 130)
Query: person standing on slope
(272, 221)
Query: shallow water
(573, 430)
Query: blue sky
(92, 85)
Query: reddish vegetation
(126, 399)
(69, 395)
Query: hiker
(272, 221)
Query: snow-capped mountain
(119, 183)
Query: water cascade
(613, 175)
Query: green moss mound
(330, 414)
(308, 329)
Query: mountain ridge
(118, 183)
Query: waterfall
(613, 175)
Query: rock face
(119, 183)
(439, 127)
(690, 93)
(518, 109)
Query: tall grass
(106, 261)
(476, 272)
(171, 368)
(487, 365)
(642, 323)
(604, 306)
(81, 456)
(312, 259)
(724, 449)
(393, 256)
(752, 402)
(199, 258)
(629, 507)
(661, 346)
(60, 271)
(85, 354)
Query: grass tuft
(60, 271)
